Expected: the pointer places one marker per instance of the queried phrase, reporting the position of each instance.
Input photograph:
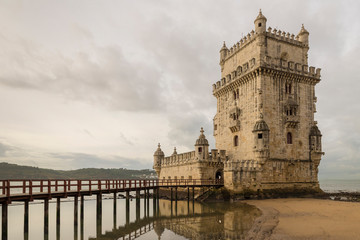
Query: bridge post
(193, 193)
(171, 191)
(4, 221)
(76, 216)
(176, 197)
(127, 209)
(26, 220)
(188, 193)
(144, 202)
(81, 217)
(46, 219)
(148, 206)
(114, 210)
(137, 205)
(154, 206)
(58, 219)
(98, 214)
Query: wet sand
(306, 219)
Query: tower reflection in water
(186, 220)
(98, 218)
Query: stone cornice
(275, 72)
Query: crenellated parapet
(288, 69)
(191, 157)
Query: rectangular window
(260, 136)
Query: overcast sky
(100, 83)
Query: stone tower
(265, 111)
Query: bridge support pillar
(46, 219)
(76, 216)
(148, 205)
(193, 194)
(82, 217)
(127, 195)
(4, 221)
(171, 195)
(188, 193)
(58, 219)
(114, 210)
(137, 206)
(144, 202)
(26, 220)
(176, 196)
(98, 215)
(127, 209)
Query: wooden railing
(10, 188)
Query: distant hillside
(14, 171)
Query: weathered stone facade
(264, 125)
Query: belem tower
(264, 128)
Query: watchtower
(265, 111)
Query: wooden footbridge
(30, 190)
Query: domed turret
(303, 35)
(175, 152)
(314, 131)
(202, 139)
(202, 146)
(223, 52)
(315, 138)
(158, 158)
(158, 229)
(261, 140)
(158, 151)
(260, 125)
(260, 23)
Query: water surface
(146, 219)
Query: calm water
(331, 185)
(176, 220)
(171, 221)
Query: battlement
(179, 159)
(272, 33)
(268, 62)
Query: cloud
(149, 66)
(102, 76)
(4, 149)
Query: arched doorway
(219, 175)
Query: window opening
(289, 138)
(236, 141)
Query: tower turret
(260, 23)
(223, 53)
(303, 35)
(261, 140)
(202, 146)
(158, 158)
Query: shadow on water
(191, 220)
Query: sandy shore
(306, 219)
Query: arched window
(200, 149)
(237, 93)
(236, 141)
(289, 138)
(234, 94)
